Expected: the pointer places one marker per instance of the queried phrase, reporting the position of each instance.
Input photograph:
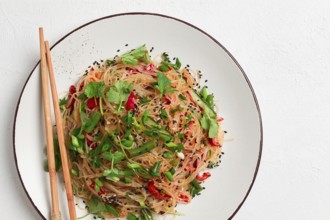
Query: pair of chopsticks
(47, 68)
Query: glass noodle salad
(140, 136)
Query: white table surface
(283, 46)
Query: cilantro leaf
(205, 122)
(163, 84)
(119, 93)
(95, 206)
(177, 64)
(63, 101)
(95, 89)
(210, 124)
(139, 54)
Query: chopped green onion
(155, 168)
(168, 155)
(168, 175)
(182, 97)
(133, 165)
(142, 149)
(75, 141)
(164, 115)
(93, 122)
(204, 93)
(74, 172)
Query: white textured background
(284, 47)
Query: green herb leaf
(154, 170)
(144, 100)
(95, 89)
(116, 156)
(110, 62)
(168, 155)
(210, 124)
(205, 122)
(214, 128)
(95, 206)
(119, 93)
(63, 102)
(145, 117)
(82, 96)
(165, 57)
(164, 115)
(90, 123)
(74, 172)
(177, 64)
(163, 68)
(188, 119)
(195, 188)
(182, 97)
(132, 57)
(163, 84)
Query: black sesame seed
(126, 45)
(118, 50)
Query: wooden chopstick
(55, 210)
(61, 141)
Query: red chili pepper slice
(189, 168)
(167, 100)
(155, 192)
(214, 142)
(149, 68)
(130, 104)
(90, 141)
(184, 198)
(71, 102)
(92, 103)
(102, 190)
(203, 177)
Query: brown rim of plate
(176, 19)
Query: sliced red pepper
(155, 192)
(71, 102)
(167, 100)
(184, 198)
(130, 104)
(149, 68)
(203, 177)
(196, 163)
(92, 103)
(192, 122)
(219, 118)
(102, 190)
(189, 168)
(214, 142)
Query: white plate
(230, 183)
